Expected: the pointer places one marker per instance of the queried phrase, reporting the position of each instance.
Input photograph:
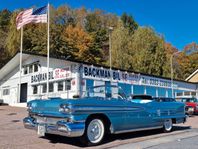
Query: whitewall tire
(168, 125)
(94, 132)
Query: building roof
(192, 75)
(11, 65)
(14, 62)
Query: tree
(81, 15)
(93, 22)
(13, 39)
(191, 48)
(188, 60)
(149, 54)
(79, 42)
(4, 26)
(129, 23)
(64, 15)
(121, 52)
(4, 18)
(169, 50)
(95, 27)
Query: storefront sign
(41, 77)
(107, 74)
(124, 77)
(155, 82)
(102, 73)
(59, 73)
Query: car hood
(46, 107)
(51, 106)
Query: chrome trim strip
(106, 109)
(138, 129)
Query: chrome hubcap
(95, 131)
(168, 125)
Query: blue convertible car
(102, 110)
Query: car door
(139, 115)
(155, 110)
(118, 114)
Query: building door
(23, 97)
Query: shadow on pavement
(111, 137)
(65, 140)
(12, 114)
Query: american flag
(32, 16)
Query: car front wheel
(94, 132)
(168, 125)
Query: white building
(70, 78)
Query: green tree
(4, 26)
(129, 23)
(121, 52)
(13, 38)
(94, 26)
(4, 19)
(149, 51)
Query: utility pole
(171, 64)
(110, 50)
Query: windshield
(106, 92)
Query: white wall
(11, 81)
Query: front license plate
(41, 130)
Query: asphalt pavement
(14, 136)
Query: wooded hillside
(84, 35)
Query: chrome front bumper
(62, 128)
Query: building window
(44, 88)
(193, 93)
(186, 93)
(35, 67)
(51, 87)
(25, 70)
(30, 68)
(6, 92)
(60, 86)
(68, 85)
(179, 94)
(35, 89)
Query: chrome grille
(47, 120)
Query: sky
(176, 20)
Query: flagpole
(48, 43)
(20, 65)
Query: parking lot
(14, 136)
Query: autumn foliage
(80, 34)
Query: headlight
(65, 108)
